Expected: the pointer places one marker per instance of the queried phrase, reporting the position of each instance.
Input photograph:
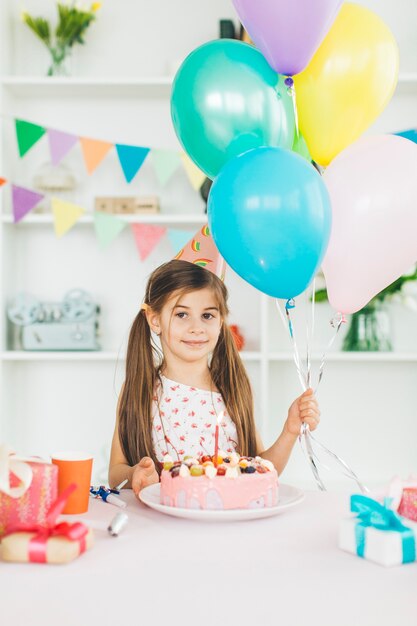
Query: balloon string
(306, 439)
(314, 460)
(310, 333)
(336, 322)
(290, 304)
(289, 83)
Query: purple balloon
(287, 32)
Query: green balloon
(300, 147)
(226, 100)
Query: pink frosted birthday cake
(234, 483)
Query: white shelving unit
(68, 399)
(161, 220)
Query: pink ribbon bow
(74, 532)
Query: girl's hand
(304, 409)
(144, 474)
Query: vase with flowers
(369, 328)
(73, 22)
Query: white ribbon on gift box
(9, 462)
(394, 490)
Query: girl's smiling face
(189, 325)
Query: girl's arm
(139, 476)
(119, 469)
(303, 410)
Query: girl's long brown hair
(144, 363)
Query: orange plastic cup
(74, 467)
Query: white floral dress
(184, 421)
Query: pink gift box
(408, 504)
(31, 507)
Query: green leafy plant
(394, 292)
(369, 328)
(73, 22)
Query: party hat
(201, 250)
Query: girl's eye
(208, 316)
(182, 315)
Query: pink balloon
(287, 32)
(373, 191)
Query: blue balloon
(270, 216)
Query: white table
(281, 571)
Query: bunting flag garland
(107, 227)
(178, 238)
(94, 152)
(131, 159)
(27, 135)
(23, 201)
(60, 144)
(195, 175)
(66, 215)
(165, 163)
(147, 237)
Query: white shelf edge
(407, 78)
(22, 355)
(130, 81)
(86, 81)
(131, 219)
(99, 355)
(364, 357)
(73, 86)
(151, 86)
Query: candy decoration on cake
(219, 482)
(201, 250)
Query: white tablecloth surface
(285, 570)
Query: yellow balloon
(348, 82)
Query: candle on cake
(216, 437)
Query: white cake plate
(288, 497)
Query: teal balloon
(270, 216)
(226, 100)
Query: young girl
(170, 402)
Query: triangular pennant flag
(66, 215)
(3, 181)
(27, 135)
(410, 134)
(94, 152)
(147, 237)
(107, 227)
(165, 163)
(178, 238)
(195, 175)
(131, 159)
(60, 144)
(23, 201)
